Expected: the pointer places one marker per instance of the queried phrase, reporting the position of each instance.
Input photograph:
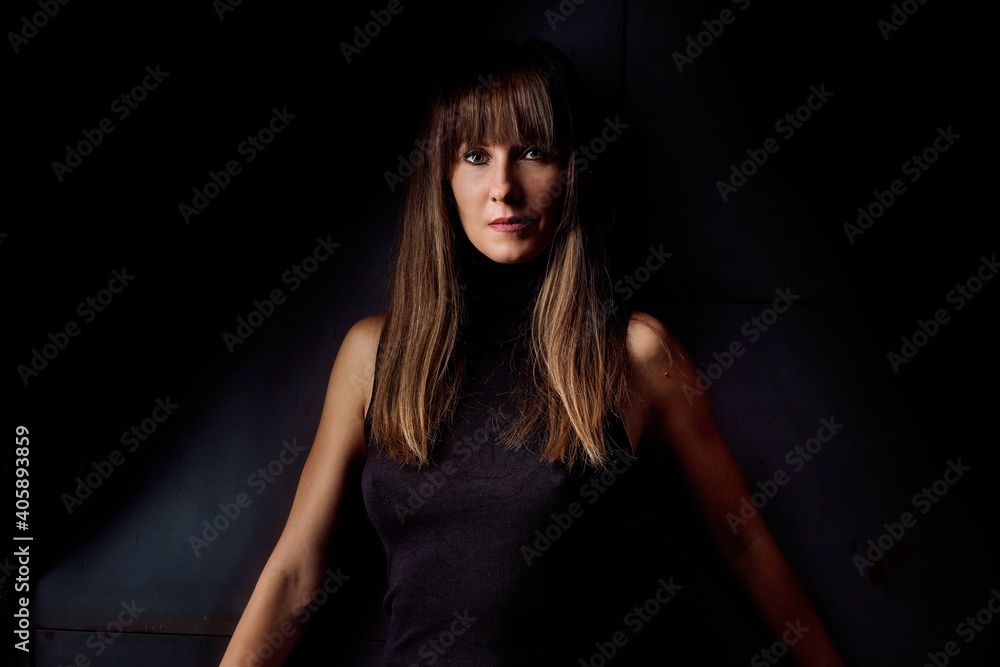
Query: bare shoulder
(663, 378)
(340, 439)
(654, 353)
(364, 335)
(358, 350)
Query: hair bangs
(511, 108)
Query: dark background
(324, 176)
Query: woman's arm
(682, 422)
(295, 568)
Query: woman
(500, 403)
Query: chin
(508, 253)
(511, 250)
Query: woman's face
(509, 199)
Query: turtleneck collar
(498, 297)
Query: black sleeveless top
(493, 556)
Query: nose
(506, 187)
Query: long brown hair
(574, 377)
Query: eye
(474, 157)
(535, 153)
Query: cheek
(466, 190)
(551, 192)
(550, 202)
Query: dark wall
(155, 352)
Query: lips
(511, 224)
